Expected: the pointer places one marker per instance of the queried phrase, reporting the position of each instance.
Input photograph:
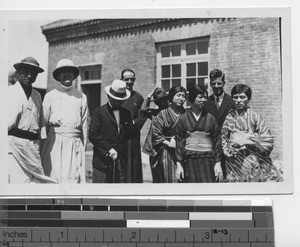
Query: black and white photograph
(137, 102)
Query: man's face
(129, 78)
(27, 76)
(66, 77)
(217, 86)
(114, 102)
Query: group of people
(218, 138)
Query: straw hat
(29, 62)
(63, 64)
(117, 90)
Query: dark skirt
(200, 170)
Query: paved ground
(147, 177)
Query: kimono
(163, 128)
(134, 169)
(250, 163)
(25, 116)
(66, 117)
(198, 146)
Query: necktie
(217, 102)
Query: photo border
(285, 187)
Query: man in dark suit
(110, 129)
(219, 104)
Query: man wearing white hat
(26, 126)
(66, 117)
(110, 129)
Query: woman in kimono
(198, 142)
(247, 141)
(163, 136)
(66, 115)
(160, 99)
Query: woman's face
(241, 101)
(200, 100)
(179, 99)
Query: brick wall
(246, 49)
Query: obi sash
(199, 141)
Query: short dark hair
(174, 90)
(216, 73)
(126, 70)
(241, 88)
(194, 91)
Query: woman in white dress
(66, 115)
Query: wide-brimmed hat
(29, 62)
(117, 90)
(159, 93)
(63, 64)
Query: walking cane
(114, 170)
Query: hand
(218, 171)
(179, 172)
(152, 92)
(172, 143)
(113, 154)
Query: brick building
(172, 52)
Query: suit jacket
(104, 135)
(226, 106)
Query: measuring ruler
(96, 222)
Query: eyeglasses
(129, 79)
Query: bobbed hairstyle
(126, 70)
(216, 73)
(241, 88)
(194, 91)
(174, 90)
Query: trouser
(113, 174)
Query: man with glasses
(134, 104)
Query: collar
(66, 89)
(220, 97)
(112, 108)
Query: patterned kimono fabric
(199, 156)
(250, 164)
(163, 128)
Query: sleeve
(262, 137)
(157, 127)
(145, 110)
(96, 136)
(14, 109)
(84, 119)
(43, 130)
(46, 111)
(217, 140)
(225, 136)
(180, 139)
(141, 118)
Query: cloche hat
(29, 62)
(62, 64)
(117, 90)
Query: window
(184, 63)
(90, 74)
(90, 82)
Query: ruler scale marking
(139, 223)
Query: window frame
(183, 59)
